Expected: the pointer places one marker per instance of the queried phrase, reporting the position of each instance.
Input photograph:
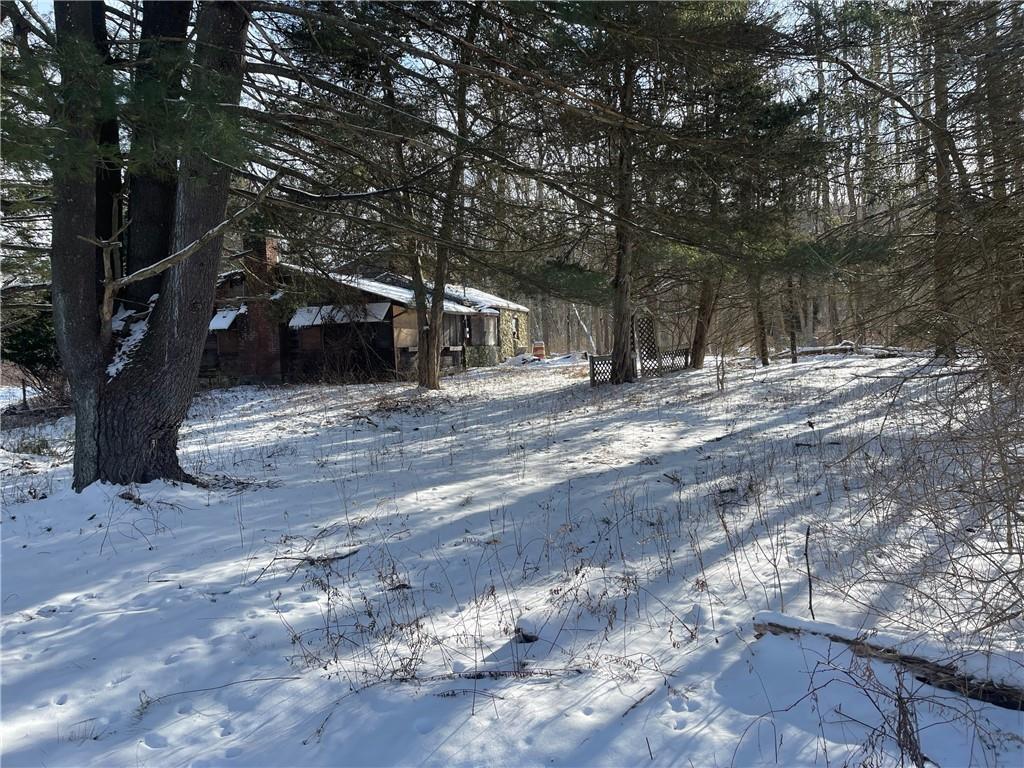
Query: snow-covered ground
(519, 570)
(9, 395)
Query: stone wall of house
(480, 356)
(510, 345)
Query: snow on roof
(482, 299)
(404, 296)
(224, 317)
(306, 317)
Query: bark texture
(623, 362)
(73, 260)
(943, 248)
(129, 407)
(760, 327)
(705, 313)
(153, 183)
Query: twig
(944, 676)
(807, 563)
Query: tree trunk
(705, 312)
(128, 411)
(108, 166)
(792, 317)
(623, 361)
(73, 261)
(427, 375)
(430, 363)
(152, 184)
(760, 329)
(833, 314)
(943, 247)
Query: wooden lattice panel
(645, 340)
(675, 359)
(600, 369)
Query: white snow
(136, 332)
(353, 595)
(479, 302)
(305, 317)
(12, 394)
(127, 342)
(120, 317)
(482, 300)
(224, 317)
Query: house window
(453, 332)
(483, 331)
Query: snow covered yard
(518, 570)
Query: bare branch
(164, 264)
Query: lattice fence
(600, 369)
(675, 359)
(645, 344)
(650, 361)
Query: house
(284, 322)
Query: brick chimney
(262, 255)
(260, 349)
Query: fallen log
(934, 673)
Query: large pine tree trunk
(153, 182)
(108, 169)
(128, 411)
(73, 261)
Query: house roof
(399, 288)
(224, 317)
(458, 299)
(482, 299)
(306, 317)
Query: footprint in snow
(306, 597)
(231, 752)
(174, 658)
(155, 741)
(226, 728)
(52, 610)
(185, 709)
(123, 676)
(423, 725)
(588, 711)
(679, 724)
(61, 700)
